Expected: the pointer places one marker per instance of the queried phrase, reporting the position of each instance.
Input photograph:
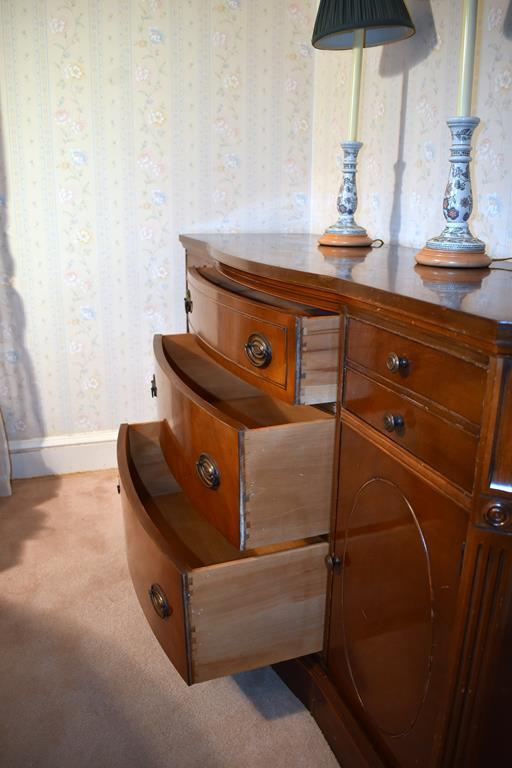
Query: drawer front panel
(228, 615)
(227, 323)
(149, 564)
(197, 431)
(274, 470)
(446, 447)
(432, 373)
(394, 605)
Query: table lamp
(456, 246)
(356, 24)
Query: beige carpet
(82, 680)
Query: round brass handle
(259, 350)
(208, 471)
(159, 601)
(393, 422)
(395, 363)
(498, 515)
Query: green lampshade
(384, 21)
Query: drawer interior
(233, 397)
(192, 541)
(212, 275)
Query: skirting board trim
(63, 454)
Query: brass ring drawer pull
(159, 601)
(208, 471)
(395, 363)
(259, 350)
(393, 423)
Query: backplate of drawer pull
(159, 601)
(208, 471)
(259, 350)
(154, 389)
(498, 515)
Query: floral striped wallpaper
(126, 122)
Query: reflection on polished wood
(386, 277)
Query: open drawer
(257, 468)
(215, 611)
(288, 349)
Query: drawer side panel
(319, 359)
(288, 485)
(250, 613)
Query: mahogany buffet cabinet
(328, 489)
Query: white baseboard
(63, 454)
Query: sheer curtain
(5, 462)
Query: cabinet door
(393, 601)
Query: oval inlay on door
(387, 607)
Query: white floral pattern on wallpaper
(126, 122)
(70, 85)
(409, 91)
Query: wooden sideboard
(328, 488)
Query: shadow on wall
(507, 25)
(19, 395)
(400, 59)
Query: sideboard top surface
(387, 276)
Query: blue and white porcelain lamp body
(456, 246)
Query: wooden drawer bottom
(214, 610)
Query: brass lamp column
(356, 24)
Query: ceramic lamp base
(431, 257)
(344, 241)
(346, 233)
(456, 247)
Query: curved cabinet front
(387, 634)
(394, 600)
(214, 610)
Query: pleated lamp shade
(384, 21)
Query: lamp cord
(508, 258)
